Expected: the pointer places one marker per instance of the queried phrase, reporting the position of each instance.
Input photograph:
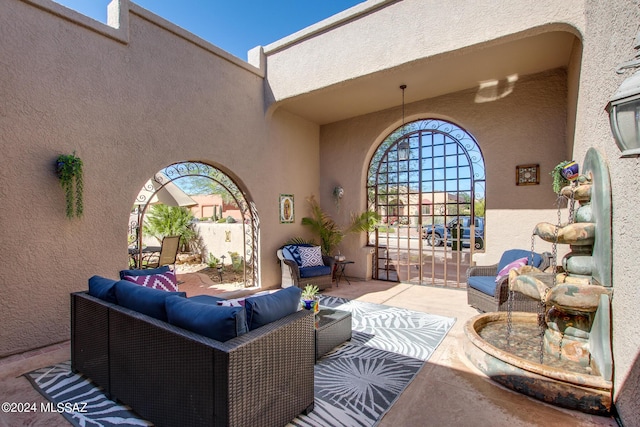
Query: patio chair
(168, 253)
(486, 294)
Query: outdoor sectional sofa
(173, 376)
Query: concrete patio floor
(446, 392)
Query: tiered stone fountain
(569, 362)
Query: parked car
(435, 233)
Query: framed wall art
(286, 209)
(527, 174)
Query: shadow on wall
(627, 398)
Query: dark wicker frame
(499, 301)
(171, 376)
(291, 267)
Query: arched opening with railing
(180, 185)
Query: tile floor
(446, 392)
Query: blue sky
(233, 25)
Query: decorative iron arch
(247, 208)
(429, 168)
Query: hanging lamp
(403, 146)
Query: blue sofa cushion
(269, 308)
(319, 270)
(210, 320)
(159, 270)
(206, 299)
(484, 284)
(144, 300)
(103, 288)
(513, 254)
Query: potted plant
(310, 298)
(330, 233)
(563, 174)
(69, 171)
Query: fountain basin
(580, 391)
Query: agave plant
(327, 229)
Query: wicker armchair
(484, 294)
(295, 275)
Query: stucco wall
(134, 99)
(609, 40)
(127, 109)
(527, 126)
(401, 32)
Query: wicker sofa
(487, 295)
(175, 377)
(294, 273)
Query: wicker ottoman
(333, 327)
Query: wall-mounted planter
(69, 172)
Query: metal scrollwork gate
(427, 182)
(250, 222)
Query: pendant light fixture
(403, 146)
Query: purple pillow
(520, 262)
(164, 282)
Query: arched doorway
(192, 178)
(427, 182)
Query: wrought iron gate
(427, 182)
(195, 170)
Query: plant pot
(313, 304)
(570, 171)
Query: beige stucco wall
(526, 127)
(143, 94)
(404, 31)
(608, 41)
(127, 109)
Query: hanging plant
(69, 171)
(559, 180)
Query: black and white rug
(355, 384)
(358, 382)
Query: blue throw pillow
(103, 288)
(209, 320)
(291, 252)
(268, 308)
(144, 300)
(148, 272)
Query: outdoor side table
(333, 327)
(340, 266)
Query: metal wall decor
(527, 174)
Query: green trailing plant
(310, 292)
(69, 171)
(559, 181)
(163, 220)
(329, 232)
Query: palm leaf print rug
(358, 382)
(355, 384)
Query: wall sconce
(338, 193)
(624, 109)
